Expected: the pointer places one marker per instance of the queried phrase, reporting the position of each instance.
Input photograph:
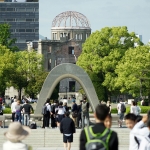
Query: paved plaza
(51, 139)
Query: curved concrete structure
(60, 72)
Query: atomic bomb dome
(71, 19)
(70, 24)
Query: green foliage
(6, 64)
(7, 111)
(28, 72)
(101, 53)
(144, 110)
(5, 37)
(134, 71)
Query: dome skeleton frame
(79, 19)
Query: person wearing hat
(15, 134)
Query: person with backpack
(121, 110)
(85, 112)
(90, 135)
(46, 111)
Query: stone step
(53, 138)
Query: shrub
(144, 109)
(7, 111)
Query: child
(145, 143)
(108, 121)
(15, 134)
(137, 130)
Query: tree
(100, 55)
(27, 68)
(5, 37)
(134, 71)
(35, 83)
(6, 64)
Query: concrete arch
(67, 70)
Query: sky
(135, 14)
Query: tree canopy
(134, 71)
(100, 55)
(6, 37)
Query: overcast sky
(135, 14)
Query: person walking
(46, 111)
(85, 112)
(98, 136)
(15, 134)
(13, 109)
(27, 109)
(121, 110)
(67, 128)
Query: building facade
(23, 17)
(69, 31)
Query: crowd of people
(21, 112)
(93, 137)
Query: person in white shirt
(120, 113)
(145, 142)
(138, 131)
(133, 108)
(46, 117)
(61, 113)
(15, 134)
(13, 109)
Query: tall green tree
(27, 66)
(6, 64)
(6, 37)
(134, 72)
(100, 55)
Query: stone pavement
(51, 139)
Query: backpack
(123, 108)
(44, 110)
(84, 107)
(97, 141)
(75, 114)
(33, 125)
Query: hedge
(144, 109)
(7, 111)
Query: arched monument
(67, 70)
